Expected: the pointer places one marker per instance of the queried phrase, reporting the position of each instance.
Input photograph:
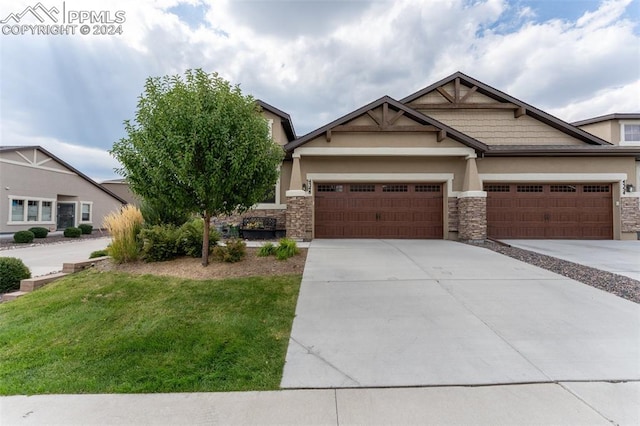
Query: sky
(315, 59)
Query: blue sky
(316, 60)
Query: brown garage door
(569, 211)
(368, 210)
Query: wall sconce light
(630, 187)
(304, 187)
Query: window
(329, 188)
(362, 188)
(46, 211)
(395, 188)
(529, 188)
(630, 133)
(32, 210)
(427, 188)
(270, 196)
(86, 212)
(17, 210)
(497, 188)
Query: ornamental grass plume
(124, 226)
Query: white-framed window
(29, 210)
(630, 132)
(270, 124)
(272, 198)
(86, 211)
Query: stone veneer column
(299, 216)
(630, 214)
(472, 216)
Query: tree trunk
(205, 239)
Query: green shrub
(234, 251)
(12, 270)
(157, 213)
(286, 249)
(23, 237)
(190, 237)
(99, 253)
(124, 226)
(86, 228)
(72, 232)
(39, 232)
(160, 242)
(267, 249)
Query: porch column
(472, 205)
(296, 174)
(299, 206)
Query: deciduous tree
(198, 144)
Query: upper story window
(630, 132)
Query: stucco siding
(383, 140)
(603, 130)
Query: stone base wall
(299, 218)
(630, 212)
(472, 218)
(453, 214)
(279, 214)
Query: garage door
(368, 210)
(569, 211)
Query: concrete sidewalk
(48, 258)
(534, 404)
(619, 257)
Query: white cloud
(316, 61)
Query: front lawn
(109, 332)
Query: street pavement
(48, 258)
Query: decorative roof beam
(503, 105)
(355, 128)
(442, 134)
(519, 112)
(445, 94)
(374, 118)
(328, 135)
(468, 94)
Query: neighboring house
(459, 160)
(619, 129)
(120, 187)
(39, 189)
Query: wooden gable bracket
(328, 135)
(442, 134)
(519, 112)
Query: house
(39, 189)
(460, 159)
(120, 187)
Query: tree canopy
(199, 146)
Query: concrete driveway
(48, 258)
(377, 313)
(619, 257)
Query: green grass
(110, 332)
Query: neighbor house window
(17, 210)
(630, 133)
(34, 210)
(46, 211)
(86, 212)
